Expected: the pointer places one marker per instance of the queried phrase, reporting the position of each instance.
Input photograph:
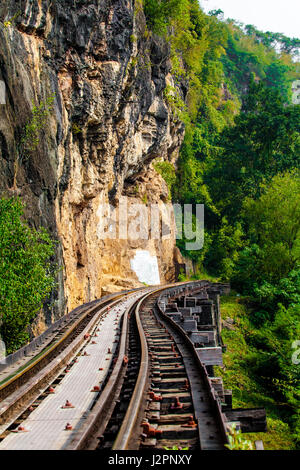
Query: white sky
(277, 16)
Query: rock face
(109, 121)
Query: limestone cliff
(110, 120)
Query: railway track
(164, 400)
(151, 390)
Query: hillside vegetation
(240, 158)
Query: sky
(277, 16)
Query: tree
(27, 275)
(274, 224)
(217, 13)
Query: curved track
(27, 385)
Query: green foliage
(76, 129)
(285, 292)
(167, 171)
(270, 359)
(197, 232)
(250, 51)
(145, 199)
(177, 105)
(270, 40)
(133, 39)
(196, 43)
(161, 14)
(26, 273)
(217, 13)
(182, 277)
(273, 222)
(190, 187)
(268, 269)
(227, 154)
